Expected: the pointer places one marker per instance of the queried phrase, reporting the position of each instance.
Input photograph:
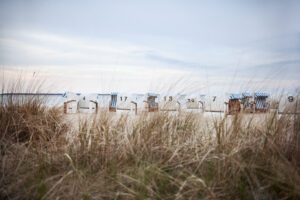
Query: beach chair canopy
(246, 95)
(235, 96)
(261, 94)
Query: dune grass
(149, 156)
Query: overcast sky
(141, 46)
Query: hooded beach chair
(234, 104)
(126, 103)
(87, 103)
(151, 104)
(248, 106)
(290, 104)
(192, 103)
(169, 103)
(260, 101)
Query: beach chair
(260, 101)
(87, 103)
(194, 103)
(151, 104)
(113, 102)
(290, 104)
(247, 104)
(169, 103)
(234, 104)
(126, 103)
(70, 105)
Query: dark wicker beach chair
(260, 101)
(234, 104)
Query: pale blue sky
(140, 45)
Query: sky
(153, 46)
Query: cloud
(171, 61)
(86, 64)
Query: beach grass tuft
(47, 155)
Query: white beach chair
(216, 103)
(169, 103)
(194, 103)
(289, 103)
(87, 103)
(126, 102)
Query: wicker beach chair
(151, 104)
(233, 104)
(169, 103)
(247, 104)
(261, 103)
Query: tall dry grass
(149, 156)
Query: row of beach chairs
(149, 102)
(152, 102)
(247, 103)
